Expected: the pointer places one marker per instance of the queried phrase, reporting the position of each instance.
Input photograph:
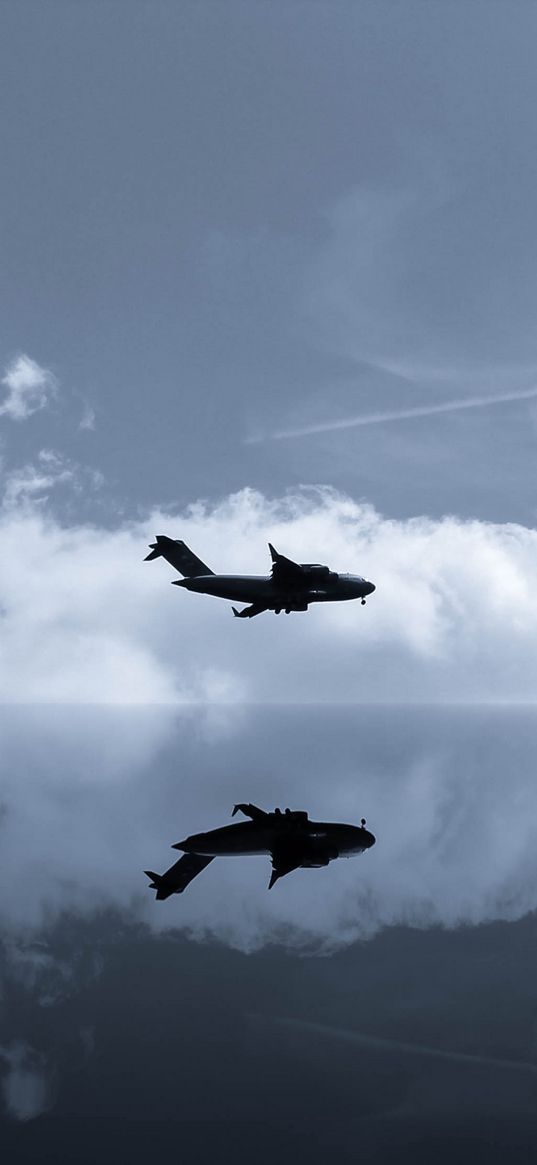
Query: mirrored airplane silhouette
(291, 839)
(291, 586)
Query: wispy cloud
(87, 422)
(364, 1040)
(33, 482)
(29, 388)
(381, 418)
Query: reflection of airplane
(290, 587)
(291, 839)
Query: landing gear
(288, 610)
(363, 602)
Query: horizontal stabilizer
(249, 612)
(158, 883)
(178, 554)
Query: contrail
(361, 1039)
(448, 406)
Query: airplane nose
(370, 588)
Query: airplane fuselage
(291, 839)
(291, 586)
(320, 838)
(264, 590)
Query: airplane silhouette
(291, 839)
(291, 586)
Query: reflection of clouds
(25, 1086)
(36, 970)
(449, 794)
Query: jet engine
(319, 854)
(317, 570)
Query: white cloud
(29, 388)
(454, 616)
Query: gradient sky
(221, 221)
(268, 273)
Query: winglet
(273, 553)
(235, 612)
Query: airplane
(291, 839)
(291, 586)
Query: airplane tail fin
(178, 554)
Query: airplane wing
(249, 612)
(178, 554)
(284, 570)
(179, 876)
(285, 858)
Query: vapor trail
(361, 1039)
(448, 406)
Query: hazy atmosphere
(268, 275)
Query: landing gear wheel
(363, 602)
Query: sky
(268, 275)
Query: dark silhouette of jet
(291, 839)
(291, 586)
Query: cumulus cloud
(29, 388)
(84, 619)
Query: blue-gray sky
(224, 221)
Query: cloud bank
(84, 619)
